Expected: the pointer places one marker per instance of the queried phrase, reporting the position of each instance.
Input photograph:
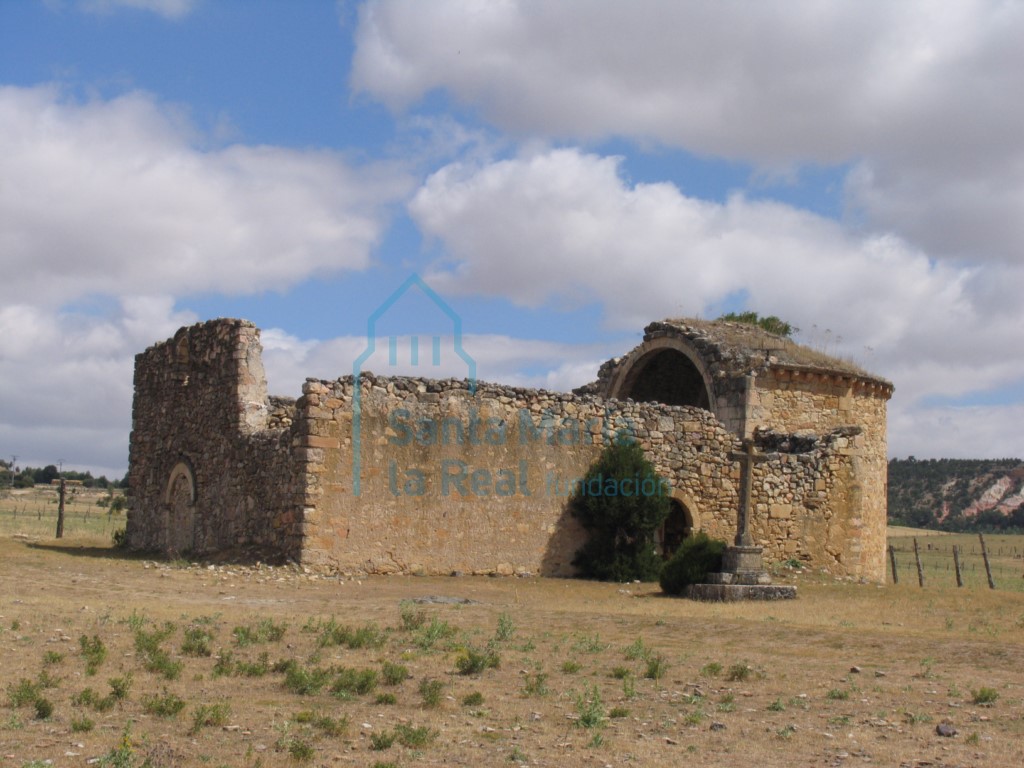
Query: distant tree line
(936, 493)
(27, 477)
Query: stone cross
(747, 458)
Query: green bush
(431, 690)
(166, 705)
(349, 682)
(43, 707)
(94, 652)
(621, 502)
(414, 737)
(306, 682)
(696, 557)
(393, 674)
(209, 716)
(473, 661)
(82, 724)
(986, 697)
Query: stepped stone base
(750, 578)
(725, 593)
(742, 578)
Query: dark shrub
(621, 502)
(696, 557)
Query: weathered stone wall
(758, 381)
(814, 402)
(422, 441)
(207, 473)
(478, 482)
(453, 480)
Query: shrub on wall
(621, 502)
(696, 557)
(771, 323)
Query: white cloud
(916, 97)
(170, 9)
(110, 211)
(116, 197)
(105, 203)
(956, 432)
(562, 227)
(66, 379)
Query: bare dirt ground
(586, 674)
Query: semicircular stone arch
(682, 522)
(664, 370)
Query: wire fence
(40, 520)
(936, 563)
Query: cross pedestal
(746, 564)
(743, 576)
(743, 560)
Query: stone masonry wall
(478, 482)
(418, 509)
(201, 408)
(452, 480)
(796, 401)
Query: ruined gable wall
(812, 402)
(200, 401)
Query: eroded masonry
(415, 475)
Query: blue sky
(561, 173)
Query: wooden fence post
(892, 561)
(956, 562)
(920, 571)
(60, 511)
(984, 556)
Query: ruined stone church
(408, 475)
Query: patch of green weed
(393, 674)
(164, 705)
(94, 652)
(589, 708)
(209, 716)
(536, 684)
(264, 631)
(473, 661)
(431, 691)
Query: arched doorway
(677, 526)
(180, 500)
(667, 371)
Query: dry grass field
(109, 660)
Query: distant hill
(957, 494)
